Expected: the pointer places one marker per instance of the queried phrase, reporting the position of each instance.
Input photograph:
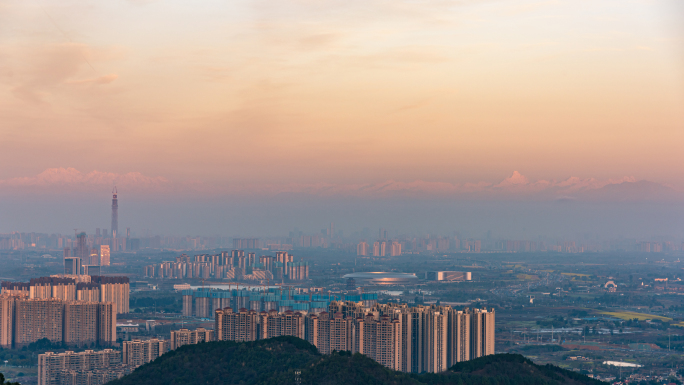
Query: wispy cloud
(78, 181)
(106, 79)
(43, 70)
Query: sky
(266, 104)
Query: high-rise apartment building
(94, 259)
(482, 333)
(190, 337)
(6, 320)
(411, 339)
(274, 324)
(114, 289)
(187, 303)
(75, 323)
(36, 319)
(83, 368)
(86, 291)
(340, 333)
(246, 243)
(297, 271)
(318, 331)
(115, 217)
(433, 338)
(203, 304)
(20, 289)
(362, 248)
(80, 323)
(106, 323)
(379, 339)
(66, 287)
(395, 249)
(235, 326)
(72, 265)
(139, 352)
(104, 255)
(87, 323)
(91, 270)
(235, 265)
(459, 337)
(82, 249)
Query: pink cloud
(516, 179)
(105, 79)
(517, 186)
(73, 178)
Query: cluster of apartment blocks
(83, 368)
(98, 367)
(202, 302)
(235, 265)
(74, 310)
(410, 339)
(379, 248)
(75, 323)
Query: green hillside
(276, 360)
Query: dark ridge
(281, 360)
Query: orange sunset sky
(295, 95)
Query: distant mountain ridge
(515, 187)
(290, 360)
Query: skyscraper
(482, 333)
(115, 214)
(82, 250)
(72, 265)
(362, 248)
(94, 257)
(104, 255)
(6, 320)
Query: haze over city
(261, 103)
(228, 118)
(341, 192)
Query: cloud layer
(328, 96)
(517, 186)
(76, 181)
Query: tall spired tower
(115, 214)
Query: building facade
(83, 368)
(75, 287)
(139, 352)
(75, 323)
(190, 337)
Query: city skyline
(341, 191)
(253, 119)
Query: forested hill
(276, 361)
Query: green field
(628, 315)
(527, 277)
